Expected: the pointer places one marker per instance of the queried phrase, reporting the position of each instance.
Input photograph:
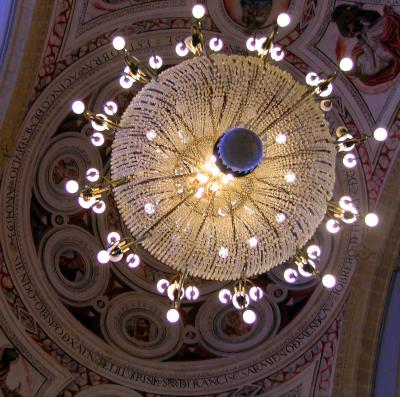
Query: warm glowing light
(328, 281)
(215, 171)
(251, 44)
(256, 293)
(97, 139)
(92, 174)
(199, 193)
(118, 43)
(126, 81)
(198, 11)
(110, 108)
(155, 62)
(172, 315)
(86, 203)
(240, 300)
(332, 226)
(371, 219)
(280, 217)
(171, 291)
(192, 293)
(223, 252)
(99, 207)
(290, 177)
(277, 54)
(227, 178)
(281, 138)
(216, 44)
(78, 107)
(283, 20)
(290, 275)
(224, 296)
(202, 178)
(249, 316)
(214, 187)
(253, 242)
(303, 272)
(313, 251)
(133, 260)
(113, 238)
(181, 49)
(151, 135)
(312, 79)
(349, 160)
(380, 134)
(72, 186)
(162, 285)
(346, 64)
(103, 257)
(149, 208)
(327, 91)
(99, 126)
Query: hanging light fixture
(231, 183)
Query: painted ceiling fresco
(72, 327)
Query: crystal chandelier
(222, 167)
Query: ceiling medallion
(222, 167)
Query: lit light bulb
(202, 178)
(259, 45)
(290, 275)
(99, 126)
(283, 20)
(181, 49)
(313, 251)
(113, 238)
(277, 54)
(149, 208)
(173, 315)
(281, 138)
(290, 177)
(346, 64)
(133, 260)
(86, 203)
(223, 252)
(92, 174)
(155, 62)
(162, 285)
(126, 81)
(251, 44)
(240, 300)
(371, 219)
(224, 296)
(326, 105)
(78, 107)
(172, 288)
(199, 193)
(346, 203)
(110, 108)
(103, 257)
(249, 316)
(118, 43)
(253, 242)
(256, 293)
(216, 44)
(198, 11)
(208, 166)
(99, 207)
(214, 187)
(151, 135)
(72, 186)
(380, 134)
(327, 91)
(213, 159)
(115, 254)
(280, 217)
(192, 293)
(332, 226)
(97, 139)
(328, 281)
(312, 79)
(215, 171)
(349, 160)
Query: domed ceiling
(77, 328)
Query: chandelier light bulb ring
(290, 275)
(349, 160)
(92, 174)
(380, 134)
(249, 316)
(198, 11)
(103, 257)
(133, 260)
(97, 139)
(78, 107)
(240, 300)
(251, 44)
(113, 238)
(327, 91)
(162, 285)
(99, 207)
(283, 20)
(256, 293)
(118, 43)
(346, 64)
(155, 62)
(332, 225)
(72, 186)
(313, 251)
(328, 281)
(312, 79)
(225, 296)
(277, 53)
(192, 293)
(181, 49)
(86, 204)
(371, 219)
(326, 105)
(126, 81)
(173, 316)
(99, 127)
(110, 108)
(216, 44)
(303, 266)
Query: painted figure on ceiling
(72, 266)
(376, 50)
(8, 356)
